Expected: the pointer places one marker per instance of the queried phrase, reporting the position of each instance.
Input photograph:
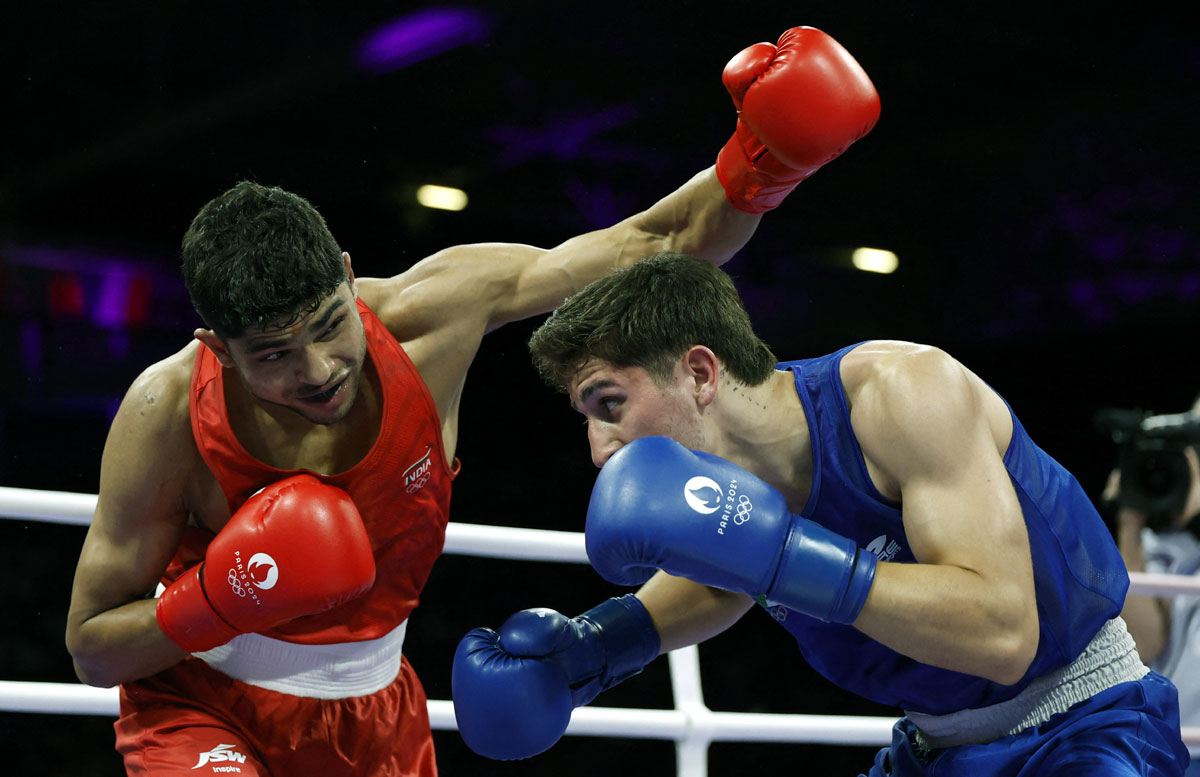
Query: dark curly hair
(258, 256)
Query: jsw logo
(221, 753)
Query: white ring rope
(461, 538)
(465, 538)
(692, 725)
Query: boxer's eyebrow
(265, 345)
(320, 323)
(590, 389)
(278, 342)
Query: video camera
(1155, 477)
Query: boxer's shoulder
(153, 422)
(439, 310)
(456, 284)
(151, 472)
(159, 395)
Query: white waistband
(1109, 659)
(337, 671)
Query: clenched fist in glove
(514, 690)
(800, 104)
(297, 547)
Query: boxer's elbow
(94, 676)
(1013, 649)
(93, 666)
(89, 669)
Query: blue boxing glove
(514, 690)
(657, 505)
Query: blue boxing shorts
(1130, 729)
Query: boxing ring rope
(691, 724)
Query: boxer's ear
(350, 273)
(209, 340)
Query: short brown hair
(648, 315)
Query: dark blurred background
(1033, 169)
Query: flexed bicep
(936, 434)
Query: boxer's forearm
(121, 645)
(687, 613)
(951, 617)
(695, 219)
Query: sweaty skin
(933, 437)
(304, 396)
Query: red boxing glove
(800, 105)
(298, 547)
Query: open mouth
(327, 395)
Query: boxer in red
(285, 477)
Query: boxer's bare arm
(441, 308)
(687, 613)
(145, 477)
(933, 437)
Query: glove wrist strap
(186, 617)
(822, 574)
(744, 168)
(627, 636)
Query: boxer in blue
(884, 505)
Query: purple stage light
(112, 291)
(419, 36)
(109, 308)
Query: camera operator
(1152, 499)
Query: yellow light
(442, 197)
(875, 260)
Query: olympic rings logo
(744, 508)
(235, 584)
(417, 484)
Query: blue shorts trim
(1129, 730)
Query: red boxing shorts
(194, 720)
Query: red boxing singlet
(401, 488)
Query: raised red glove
(800, 105)
(298, 547)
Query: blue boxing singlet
(1079, 576)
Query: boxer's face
(622, 404)
(312, 367)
